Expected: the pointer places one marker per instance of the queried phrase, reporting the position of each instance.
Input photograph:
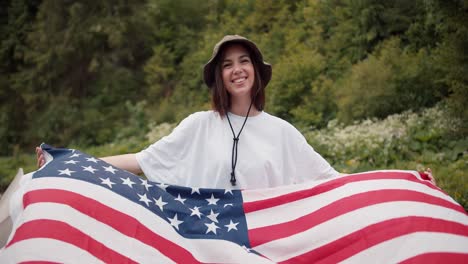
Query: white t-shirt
(271, 152)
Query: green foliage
(303, 66)
(341, 58)
(9, 167)
(15, 23)
(389, 81)
(74, 63)
(411, 141)
(451, 56)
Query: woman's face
(238, 72)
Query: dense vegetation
(93, 73)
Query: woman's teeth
(239, 80)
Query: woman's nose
(237, 68)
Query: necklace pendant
(233, 179)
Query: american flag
(80, 209)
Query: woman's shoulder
(203, 115)
(200, 117)
(279, 122)
(289, 133)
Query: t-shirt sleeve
(310, 164)
(159, 162)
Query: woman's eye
(226, 65)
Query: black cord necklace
(235, 142)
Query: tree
(16, 22)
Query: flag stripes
(64, 232)
(253, 203)
(266, 234)
(38, 250)
(145, 219)
(381, 232)
(367, 199)
(412, 245)
(348, 223)
(292, 208)
(106, 224)
(79, 208)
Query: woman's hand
(428, 173)
(40, 157)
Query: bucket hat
(209, 68)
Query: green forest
(371, 84)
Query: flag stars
(195, 190)
(160, 203)
(163, 186)
(92, 159)
(107, 182)
(228, 204)
(146, 184)
(110, 169)
(228, 191)
(175, 222)
(231, 225)
(127, 182)
(180, 199)
(144, 199)
(211, 228)
(196, 211)
(89, 168)
(213, 217)
(212, 200)
(66, 171)
(75, 155)
(71, 162)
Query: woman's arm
(126, 162)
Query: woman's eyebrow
(240, 57)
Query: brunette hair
(221, 99)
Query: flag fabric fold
(77, 208)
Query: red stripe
(439, 257)
(125, 224)
(267, 233)
(64, 232)
(372, 235)
(330, 185)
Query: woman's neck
(241, 109)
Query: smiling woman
(238, 77)
(235, 145)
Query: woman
(237, 144)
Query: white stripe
(204, 250)
(267, 193)
(408, 246)
(111, 238)
(44, 249)
(336, 228)
(293, 210)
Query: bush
(412, 141)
